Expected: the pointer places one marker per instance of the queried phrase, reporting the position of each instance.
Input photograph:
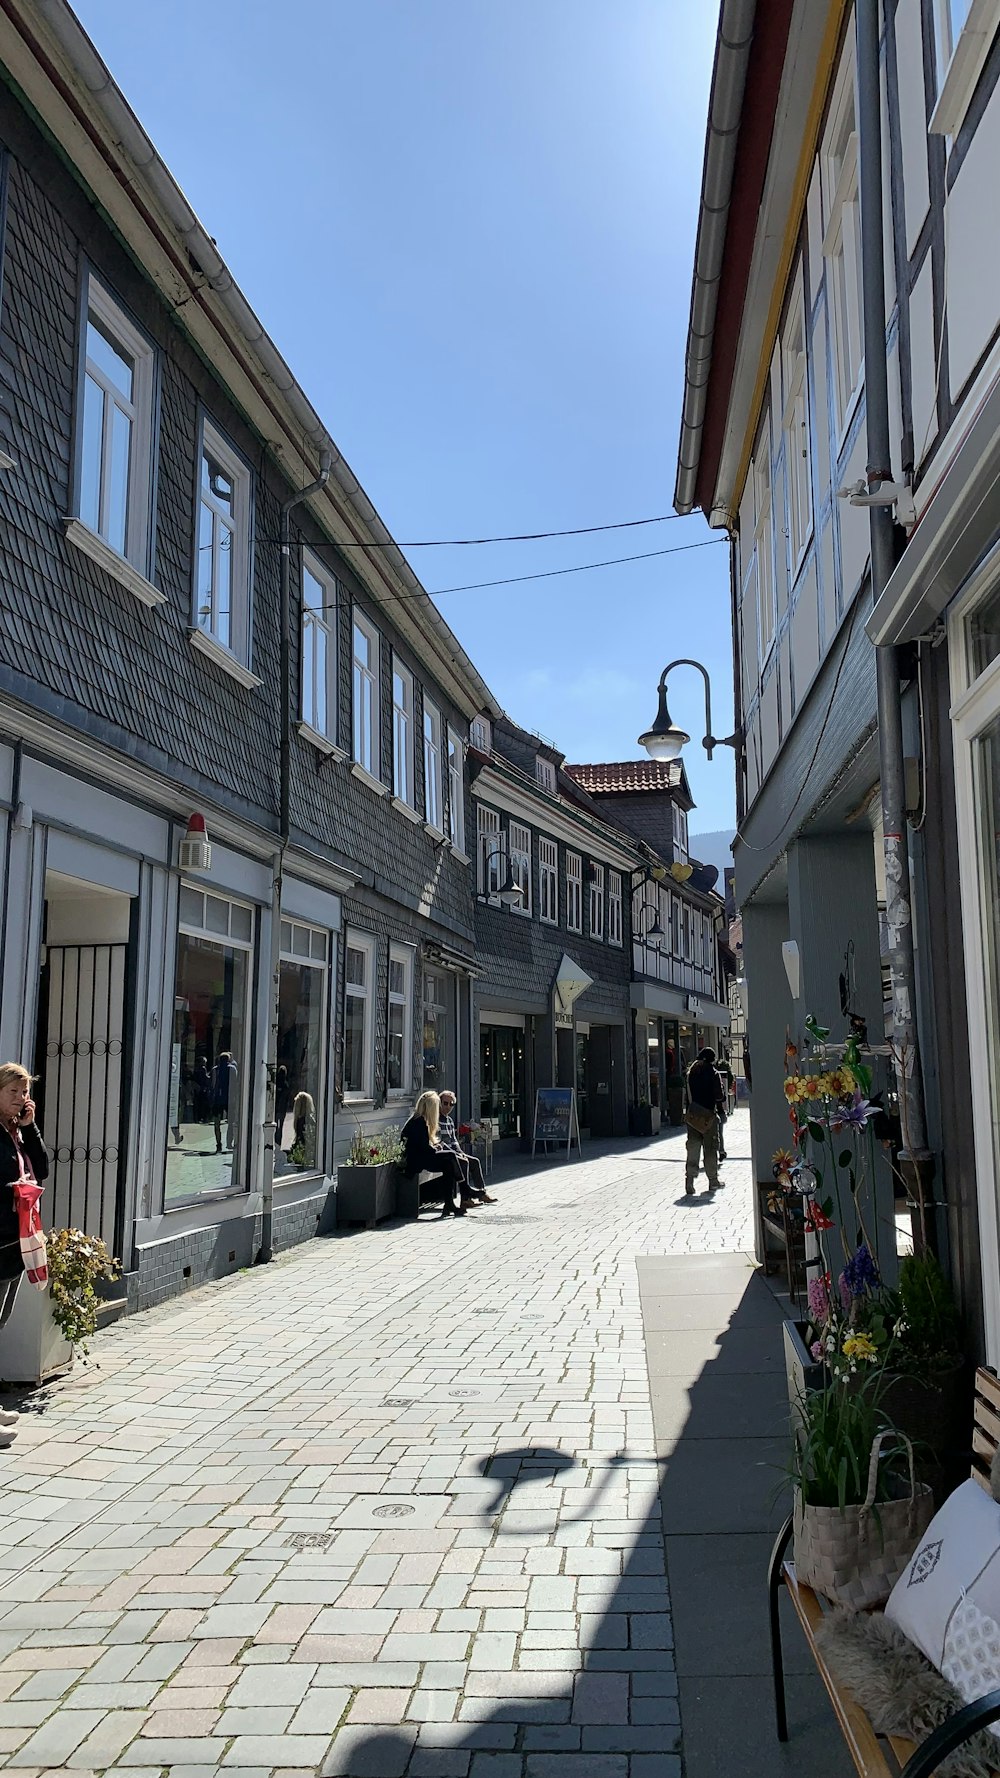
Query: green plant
(834, 1431)
(926, 1325)
(77, 1264)
(376, 1148)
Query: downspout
(266, 1251)
(916, 1161)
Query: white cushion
(947, 1600)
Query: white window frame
(519, 862)
(456, 790)
(574, 892)
(193, 926)
(614, 907)
(596, 901)
(113, 320)
(365, 679)
(795, 426)
(433, 787)
(687, 937)
(679, 825)
(481, 734)
(402, 954)
(320, 625)
(961, 57)
(489, 851)
(548, 881)
(763, 543)
(236, 525)
(403, 773)
(545, 774)
(842, 245)
(365, 942)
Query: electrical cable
(661, 518)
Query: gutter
(130, 137)
(732, 56)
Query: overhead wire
(661, 518)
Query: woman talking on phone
(23, 1156)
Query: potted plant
(366, 1183)
(928, 1391)
(49, 1325)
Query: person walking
(421, 1153)
(23, 1156)
(705, 1099)
(223, 1094)
(474, 1188)
(728, 1080)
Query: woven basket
(854, 1555)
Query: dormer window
(481, 735)
(545, 774)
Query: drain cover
(310, 1540)
(398, 1401)
(393, 1509)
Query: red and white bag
(33, 1249)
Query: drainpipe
(266, 1252)
(916, 1161)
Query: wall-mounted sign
(693, 1004)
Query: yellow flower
(860, 1345)
(792, 1087)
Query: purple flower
(860, 1275)
(817, 1350)
(853, 1116)
(819, 1298)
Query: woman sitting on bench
(421, 1155)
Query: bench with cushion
(874, 1755)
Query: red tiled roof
(628, 774)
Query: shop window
(614, 908)
(597, 901)
(210, 1066)
(490, 860)
(402, 732)
(114, 469)
(432, 767)
(222, 573)
(359, 1029)
(300, 1088)
(548, 882)
(319, 648)
(456, 790)
(438, 1024)
(365, 669)
(519, 840)
(400, 1020)
(574, 892)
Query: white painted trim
(437, 834)
(366, 777)
(210, 646)
(407, 810)
(975, 40)
(552, 819)
(462, 857)
(322, 743)
(86, 540)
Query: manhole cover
(462, 1394)
(310, 1540)
(393, 1509)
(398, 1401)
(484, 1311)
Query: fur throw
(898, 1689)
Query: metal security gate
(80, 1090)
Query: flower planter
(32, 1349)
(937, 1416)
(801, 1368)
(644, 1120)
(366, 1195)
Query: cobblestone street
(389, 1507)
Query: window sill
(463, 857)
(523, 913)
(967, 63)
(223, 657)
(322, 743)
(362, 1101)
(407, 810)
(437, 834)
(86, 540)
(366, 777)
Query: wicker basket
(854, 1555)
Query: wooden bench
(877, 1756)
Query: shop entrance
(501, 1077)
(607, 1100)
(84, 992)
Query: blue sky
(468, 225)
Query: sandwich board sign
(556, 1119)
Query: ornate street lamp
(664, 740)
(654, 929)
(509, 892)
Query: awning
(677, 1003)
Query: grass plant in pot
(366, 1183)
(928, 1388)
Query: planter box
(31, 1347)
(366, 1195)
(801, 1369)
(644, 1120)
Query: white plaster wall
(912, 119)
(855, 531)
(804, 633)
(972, 268)
(769, 720)
(820, 399)
(828, 609)
(780, 539)
(814, 234)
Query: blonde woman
(421, 1154)
(23, 1155)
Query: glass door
(501, 1077)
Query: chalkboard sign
(556, 1119)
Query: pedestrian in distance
(474, 1189)
(705, 1099)
(201, 1084)
(23, 1157)
(223, 1099)
(421, 1153)
(728, 1080)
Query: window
(319, 648)
(548, 882)
(680, 832)
(456, 790)
(438, 1025)
(842, 242)
(964, 33)
(675, 926)
(116, 423)
(574, 892)
(795, 425)
(519, 843)
(365, 692)
(481, 735)
(222, 576)
(402, 732)
(359, 983)
(490, 851)
(597, 901)
(686, 932)
(763, 546)
(432, 767)
(614, 908)
(300, 1088)
(545, 773)
(210, 1063)
(399, 1046)
(706, 941)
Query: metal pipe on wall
(916, 1161)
